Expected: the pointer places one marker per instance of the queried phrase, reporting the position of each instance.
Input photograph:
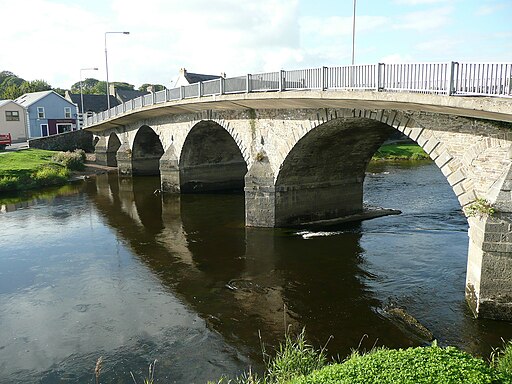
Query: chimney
(150, 89)
(183, 71)
(223, 75)
(112, 89)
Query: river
(106, 267)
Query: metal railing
(449, 78)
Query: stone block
(431, 145)
(456, 177)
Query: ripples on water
(106, 268)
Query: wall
(68, 141)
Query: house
(48, 113)
(98, 103)
(187, 78)
(13, 120)
(92, 103)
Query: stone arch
(112, 147)
(211, 160)
(147, 150)
(322, 176)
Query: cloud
(489, 9)
(425, 20)
(418, 2)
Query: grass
(400, 152)
(36, 168)
(297, 362)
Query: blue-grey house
(48, 113)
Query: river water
(105, 267)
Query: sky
(56, 40)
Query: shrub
(410, 366)
(8, 183)
(71, 160)
(48, 175)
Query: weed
(479, 208)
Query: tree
(11, 92)
(11, 81)
(156, 87)
(88, 86)
(35, 86)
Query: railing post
(133, 104)
(450, 87)
(182, 92)
(199, 89)
(153, 94)
(221, 85)
(248, 83)
(324, 78)
(282, 76)
(380, 76)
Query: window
(12, 116)
(67, 112)
(61, 128)
(40, 112)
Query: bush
(410, 366)
(71, 160)
(48, 175)
(9, 183)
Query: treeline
(13, 86)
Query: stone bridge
(300, 156)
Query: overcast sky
(53, 39)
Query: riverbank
(37, 168)
(297, 362)
(400, 152)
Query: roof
(30, 98)
(94, 103)
(126, 95)
(197, 77)
(4, 102)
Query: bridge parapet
(448, 78)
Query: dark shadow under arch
(113, 145)
(322, 176)
(146, 153)
(211, 161)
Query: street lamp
(81, 90)
(354, 33)
(106, 67)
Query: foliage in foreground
(408, 366)
(296, 362)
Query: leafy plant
(71, 160)
(410, 366)
(479, 208)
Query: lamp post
(106, 67)
(81, 90)
(354, 33)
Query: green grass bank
(297, 362)
(37, 168)
(400, 152)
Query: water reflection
(245, 280)
(108, 267)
